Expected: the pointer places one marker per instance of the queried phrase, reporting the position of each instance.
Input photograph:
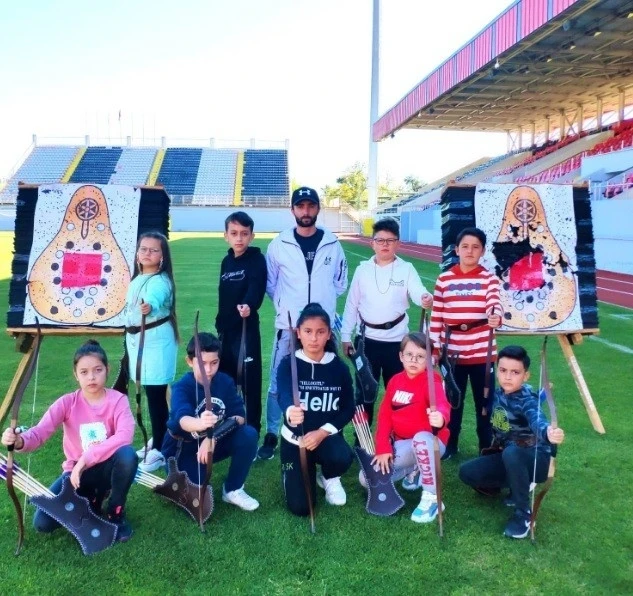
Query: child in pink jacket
(98, 429)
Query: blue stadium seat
(97, 165)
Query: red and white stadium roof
(535, 59)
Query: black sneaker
(509, 501)
(449, 453)
(487, 491)
(267, 450)
(124, 529)
(518, 525)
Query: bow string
(15, 409)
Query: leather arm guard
(226, 427)
(364, 377)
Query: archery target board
(539, 244)
(81, 243)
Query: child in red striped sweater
(466, 307)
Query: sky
(234, 70)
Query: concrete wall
(267, 219)
(423, 227)
(613, 233)
(612, 219)
(606, 163)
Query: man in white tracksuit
(305, 264)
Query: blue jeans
(115, 474)
(281, 348)
(240, 446)
(513, 468)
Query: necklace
(390, 277)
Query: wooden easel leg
(581, 384)
(8, 399)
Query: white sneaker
(334, 491)
(154, 461)
(141, 452)
(426, 511)
(361, 479)
(239, 498)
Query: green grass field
(584, 535)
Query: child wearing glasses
(152, 295)
(379, 296)
(406, 424)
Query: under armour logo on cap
(305, 193)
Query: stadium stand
(265, 180)
(191, 176)
(133, 166)
(97, 165)
(621, 139)
(42, 165)
(473, 173)
(179, 170)
(215, 183)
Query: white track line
(618, 347)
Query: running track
(613, 288)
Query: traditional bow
(424, 321)
(137, 384)
(15, 409)
(545, 386)
(303, 457)
(207, 404)
(241, 355)
(491, 339)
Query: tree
(351, 188)
(413, 184)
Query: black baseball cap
(303, 193)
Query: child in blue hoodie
(189, 420)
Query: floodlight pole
(372, 169)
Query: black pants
(334, 456)
(158, 412)
(513, 468)
(115, 474)
(476, 373)
(384, 358)
(252, 371)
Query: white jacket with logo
(289, 286)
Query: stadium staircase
(155, 169)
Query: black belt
(388, 325)
(467, 326)
(134, 329)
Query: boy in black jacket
(241, 292)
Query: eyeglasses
(383, 241)
(151, 251)
(410, 357)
